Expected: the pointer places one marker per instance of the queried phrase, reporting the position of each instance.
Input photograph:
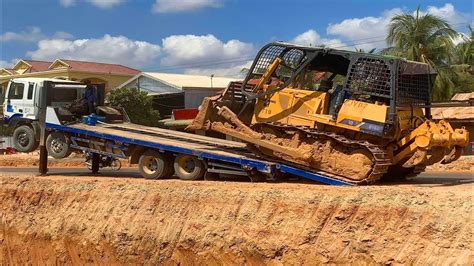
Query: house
(177, 91)
(104, 76)
(459, 112)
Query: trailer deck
(186, 143)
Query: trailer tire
(189, 167)
(58, 145)
(155, 165)
(24, 139)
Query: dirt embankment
(102, 220)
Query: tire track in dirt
(77, 220)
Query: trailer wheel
(57, 145)
(188, 167)
(155, 165)
(24, 139)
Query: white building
(192, 87)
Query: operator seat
(325, 85)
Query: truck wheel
(189, 167)
(57, 145)
(155, 165)
(24, 139)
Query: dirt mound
(463, 164)
(89, 220)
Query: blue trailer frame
(245, 162)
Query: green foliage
(138, 104)
(429, 39)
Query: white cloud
(366, 32)
(448, 12)
(311, 37)
(174, 6)
(8, 64)
(62, 35)
(98, 3)
(106, 3)
(67, 3)
(234, 71)
(32, 34)
(202, 49)
(206, 55)
(109, 49)
(370, 32)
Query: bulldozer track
(380, 158)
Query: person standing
(89, 97)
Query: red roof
(99, 67)
(37, 66)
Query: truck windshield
(16, 91)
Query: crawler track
(380, 159)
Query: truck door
(14, 99)
(29, 106)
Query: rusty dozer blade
(221, 119)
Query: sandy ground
(77, 220)
(464, 164)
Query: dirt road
(80, 219)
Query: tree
(138, 104)
(425, 38)
(464, 50)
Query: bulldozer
(354, 116)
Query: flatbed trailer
(127, 140)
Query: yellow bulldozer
(354, 116)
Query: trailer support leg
(43, 160)
(95, 163)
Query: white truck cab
(21, 102)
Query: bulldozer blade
(452, 156)
(420, 156)
(206, 111)
(436, 155)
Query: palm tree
(464, 50)
(424, 38)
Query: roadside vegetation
(430, 39)
(137, 104)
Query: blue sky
(196, 36)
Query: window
(30, 91)
(16, 91)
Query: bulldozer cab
(391, 81)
